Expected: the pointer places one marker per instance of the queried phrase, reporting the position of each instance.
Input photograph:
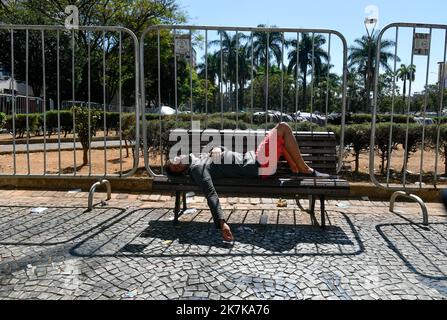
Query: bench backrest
(319, 149)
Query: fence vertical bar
(421, 173)
(237, 80)
(441, 106)
(104, 96)
(206, 79)
(27, 99)
(390, 142)
(175, 78)
(408, 116)
(44, 105)
(58, 89)
(120, 107)
(221, 83)
(282, 75)
(267, 61)
(190, 75)
(13, 104)
(328, 79)
(159, 98)
(313, 80)
(89, 93)
(297, 74)
(73, 99)
(252, 79)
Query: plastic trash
(245, 229)
(167, 242)
(365, 198)
(343, 205)
(264, 219)
(190, 194)
(75, 191)
(38, 210)
(190, 211)
(130, 294)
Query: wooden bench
(318, 150)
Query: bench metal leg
(177, 207)
(310, 210)
(323, 211)
(185, 207)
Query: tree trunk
(404, 96)
(85, 156)
(357, 161)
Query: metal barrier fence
(35, 104)
(62, 64)
(243, 78)
(419, 134)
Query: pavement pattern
(130, 249)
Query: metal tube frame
(58, 30)
(190, 28)
(404, 190)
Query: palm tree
(363, 57)
(263, 43)
(311, 53)
(406, 73)
(231, 47)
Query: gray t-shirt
(233, 165)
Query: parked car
(314, 118)
(421, 120)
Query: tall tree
(267, 46)
(136, 15)
(406, 73)
(232, 50)
(310, 53)
(363, 57)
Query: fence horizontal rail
(270, 74)
(50, 65)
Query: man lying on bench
(222, 163)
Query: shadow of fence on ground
(54, 226)
(422, 249)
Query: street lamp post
(370, 26)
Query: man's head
(177, 166)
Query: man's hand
(216, 155)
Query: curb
(144, 184)
(70, 183)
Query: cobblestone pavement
(130, 249)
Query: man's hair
(169, 172)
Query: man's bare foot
(226, 232)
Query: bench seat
(319, 150)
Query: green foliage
(53, 118)
(432, 132)
(87, 124)
(381, 118)
(383, 142)
(359, 138)
(20, 124)
(411, 142)
(2, 119)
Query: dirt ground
(115, 165)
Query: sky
(346, 16)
